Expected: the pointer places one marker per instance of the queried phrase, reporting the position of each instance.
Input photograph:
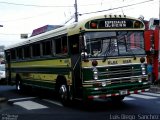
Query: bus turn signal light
(142, 59)
(137, 24)
(93, 25)
(94, 63)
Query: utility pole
(76, 11)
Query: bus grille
(120, 71)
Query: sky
(23, 16)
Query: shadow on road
(92, 106)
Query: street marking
(143, 96)
(30, 105)
(53, 102)
(18, 99)
(129, 98)
(152, 94)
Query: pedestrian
(150, 71)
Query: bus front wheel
(63, 94)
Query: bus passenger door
(76, 66)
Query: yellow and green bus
(97, 58)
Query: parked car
(2, 72)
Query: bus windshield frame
(114, 43)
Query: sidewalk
(155, 88)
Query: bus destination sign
(115, 24)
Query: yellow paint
(44, 77)
(44, 63)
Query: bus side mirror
(84, 55)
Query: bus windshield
(120, 43)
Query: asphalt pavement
(35, 107)
(153, 88)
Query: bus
(97, 58)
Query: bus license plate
(123, 92)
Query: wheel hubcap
(63, 92)
(18, 85)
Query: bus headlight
(95, 73)
(139, 80)
(104, 84)
(143, 70)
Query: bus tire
(19, 86)
(63, 94)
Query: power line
(32, 5)
(118, 7)
(29, 17)
(66, 6)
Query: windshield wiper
(107, 51)
(126, 44)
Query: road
(39, 105)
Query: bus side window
(19, 53)
(36, 50)
(58, 45)
(13, 54)
(64, 47)
(61, 45)
(27, 52)
(46, 47)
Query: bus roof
(73, 28)
(43, 36)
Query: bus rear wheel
(63, 94)
(19, 86)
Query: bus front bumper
(92, 93)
